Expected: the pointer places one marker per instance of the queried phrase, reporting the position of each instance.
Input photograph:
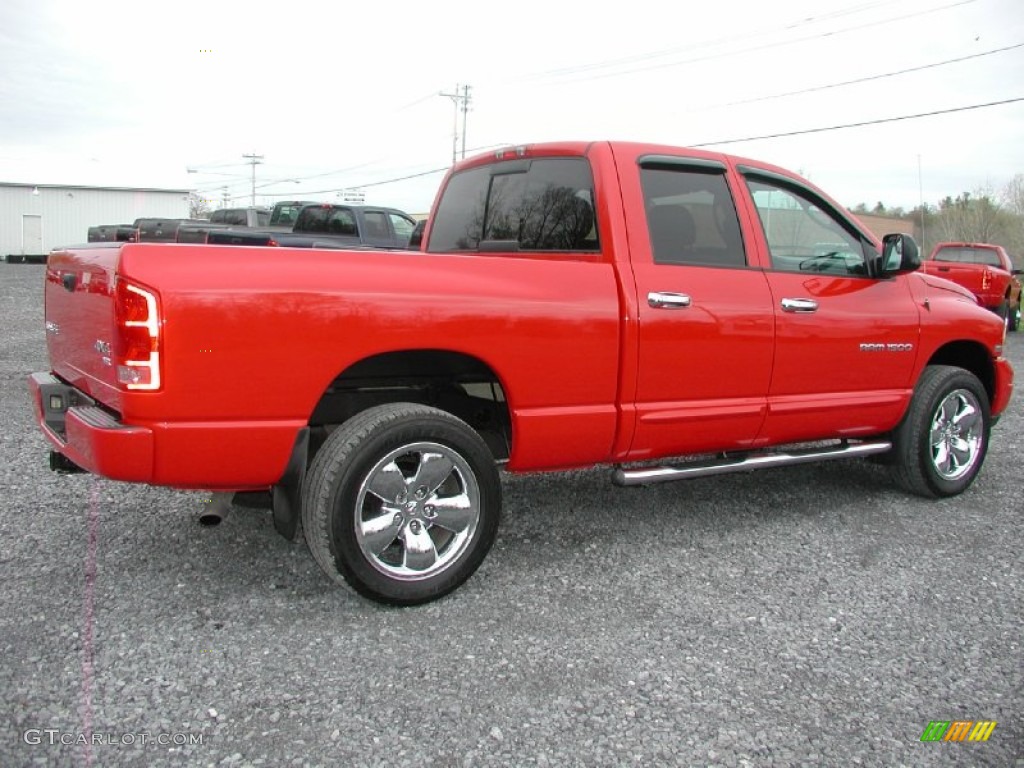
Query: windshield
(285, 214)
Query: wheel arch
(456, 382)
(971, 356)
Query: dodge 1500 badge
(573, 304)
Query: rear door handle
(799, 305)
(663, 300)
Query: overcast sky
(340, 94)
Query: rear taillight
(137, 349)
(986, 279)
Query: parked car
(329, 226)
(576, 304)
(108, 233)
(241, 217)
(160, 230)
(986, 270)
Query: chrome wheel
(417, 510)
(957, 434)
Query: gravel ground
(798, 617)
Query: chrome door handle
(661, 300)
(799, 305)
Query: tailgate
(967, 275)
(80, 319)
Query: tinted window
(327, 220)
(342, 222)
(967, 255)
(803, 235)
(376, 224)
(691, 217)
(538, 205)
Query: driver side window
(804, 237)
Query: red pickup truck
(574, 304)
(984, 269)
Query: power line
(872, 77)
(697, 59)
(860, 124)
(388, 181)
(361, 186)
(640, 57)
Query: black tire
(1013, 319)
(940, 446)
(402, 502)
(1003, 310)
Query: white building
(36, 218)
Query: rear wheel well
(460, 384)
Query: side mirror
(900, 254)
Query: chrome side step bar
(745, 462)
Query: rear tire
(402, 502)
(1013, 319)
(940, 446)
(1003, 310)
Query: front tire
(940, 445)
(402, 503)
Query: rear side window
(691, 217)
(333, 221)
(403, 226)
(376, 224)
(545, 204)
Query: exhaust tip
(217, 506)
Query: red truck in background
(573, 304)
(984, 269)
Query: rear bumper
(220, 455)
(88, 435)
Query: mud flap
(287, 494)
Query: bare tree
(974, 218)
(1013, 201)
(198, 206)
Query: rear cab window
(541, 204)
(966, 254)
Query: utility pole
(254, 160)
(459, 100)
